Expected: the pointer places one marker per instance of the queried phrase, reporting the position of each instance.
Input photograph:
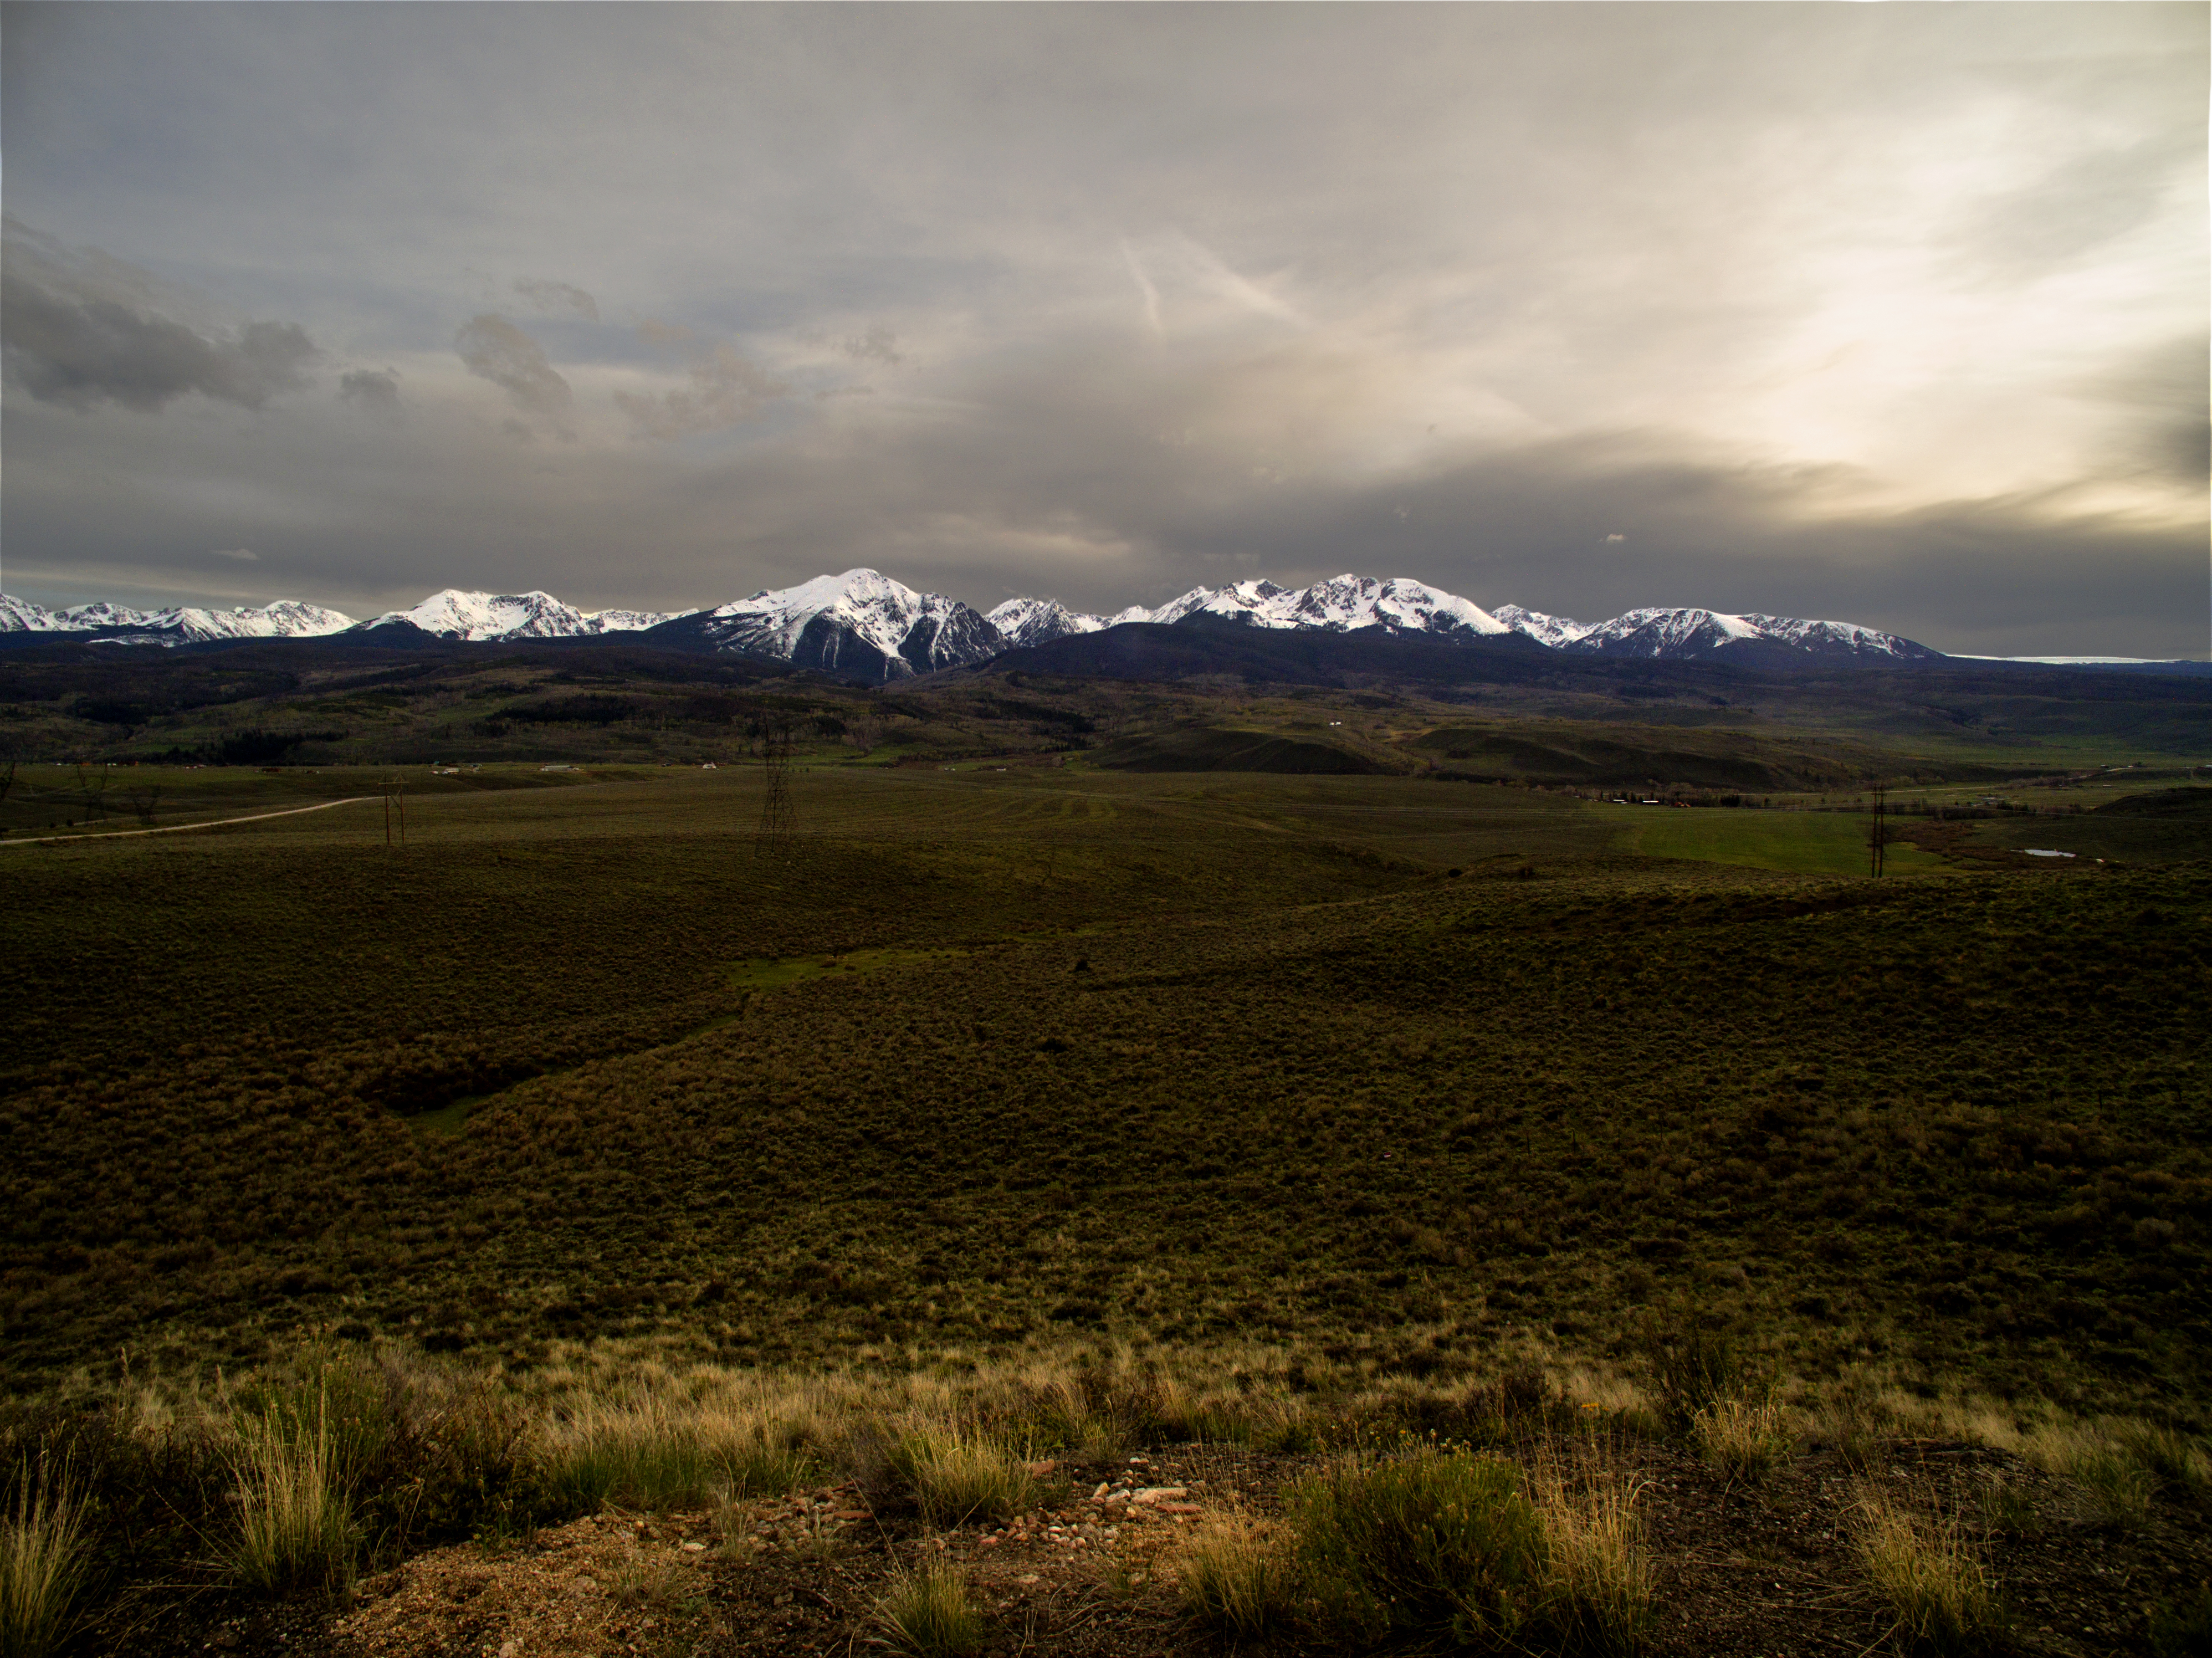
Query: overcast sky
(1894, 314)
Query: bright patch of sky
(1898, 314)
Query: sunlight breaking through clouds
(1433, 292)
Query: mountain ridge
(861, 624)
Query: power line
(775, 836)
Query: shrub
(1431, 1546)
(926, 1611)
(1742, 1438)
(1943, 1596)
(956, 1476)
(296, 1531)
(1233, 1576)
(42, 1559)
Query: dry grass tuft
(42, 1556)
(1234, 1576)
(648, 1582)
(295, 1529)
(926, 1611)
(1944, 1597)
(660, 1447)
(956, 1475)
(1745, 1439)
(1597, 1568)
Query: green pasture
(985, 1056)
(1802, 842)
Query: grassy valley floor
(1349, 1092)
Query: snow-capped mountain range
(181, 624)
(454, 614)
(863, 625)
(1681, 633)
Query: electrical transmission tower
(1878, 838)
(775, 824)
(395, 795)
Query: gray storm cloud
(82, 334)
(1895, 313)
(494, 349)
(377, 391)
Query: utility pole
(773, 838)
(395, 796)
(1877, 838)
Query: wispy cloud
(725, 389)
(878, 345)
(551, 296)
(494, 349)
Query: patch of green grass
(1801, 842)
(2108, 832)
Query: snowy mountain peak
(1834, 638)
(288, 618)
(1556, 631)
(863, 624)
(1034, 621)
(456, 613)
(1196, 600)
(1681, 633)
(859, 624)
(105, 613)
(628, 622)
(20, 616)
(1340, 605)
